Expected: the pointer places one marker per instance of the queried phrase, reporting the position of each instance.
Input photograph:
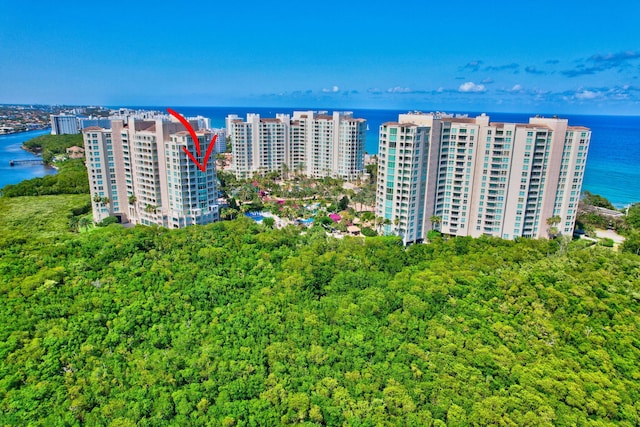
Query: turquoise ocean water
(613, 165)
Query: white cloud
(399, 89)
(333, 89)
(516, 88)
(471, 87)
(587, 94)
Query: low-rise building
(75, 152)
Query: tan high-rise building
(500, 179)
(139, 173)
(313, 143)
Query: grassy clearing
(39, 216)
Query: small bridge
(25, 162)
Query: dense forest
(235, 324)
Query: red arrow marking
(189, 128)
(203, 166)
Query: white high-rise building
(259, 145)
(500, 179)
(333, 144)
(312, 143)
(192, 193)
(402, 179)
(139, 172)
(98, 148)
(62, 124)
(221, 140)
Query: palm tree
(101, 200)
(222, 160)
(84, 223)
(378, 222)
(367, 217)
(435, 221)
(551, 222)
(74, 224)
(228, 213)
(245, 193)
(132, 202)
(396, 223)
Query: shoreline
(22, 131)
(34, 152)
(38, 153)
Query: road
(603, 234)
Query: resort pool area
(256, 216)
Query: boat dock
(25, 162)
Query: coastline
(38, 153)
(11, 148)
(23, 131)
(35, 152)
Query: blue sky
(544, 56)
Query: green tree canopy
(234, 323)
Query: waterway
(10, 150)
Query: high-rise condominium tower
(139, 172)
(62, 124)
(482, 178)
(310, 142)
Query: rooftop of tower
(400, 124)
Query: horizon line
(454, 111)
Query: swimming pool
(256, 216)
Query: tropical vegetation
(71, 178)
(51, 145)
(238, 324)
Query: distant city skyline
(551, 57)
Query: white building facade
(62, 124)
(403, 168)
(310, 142)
